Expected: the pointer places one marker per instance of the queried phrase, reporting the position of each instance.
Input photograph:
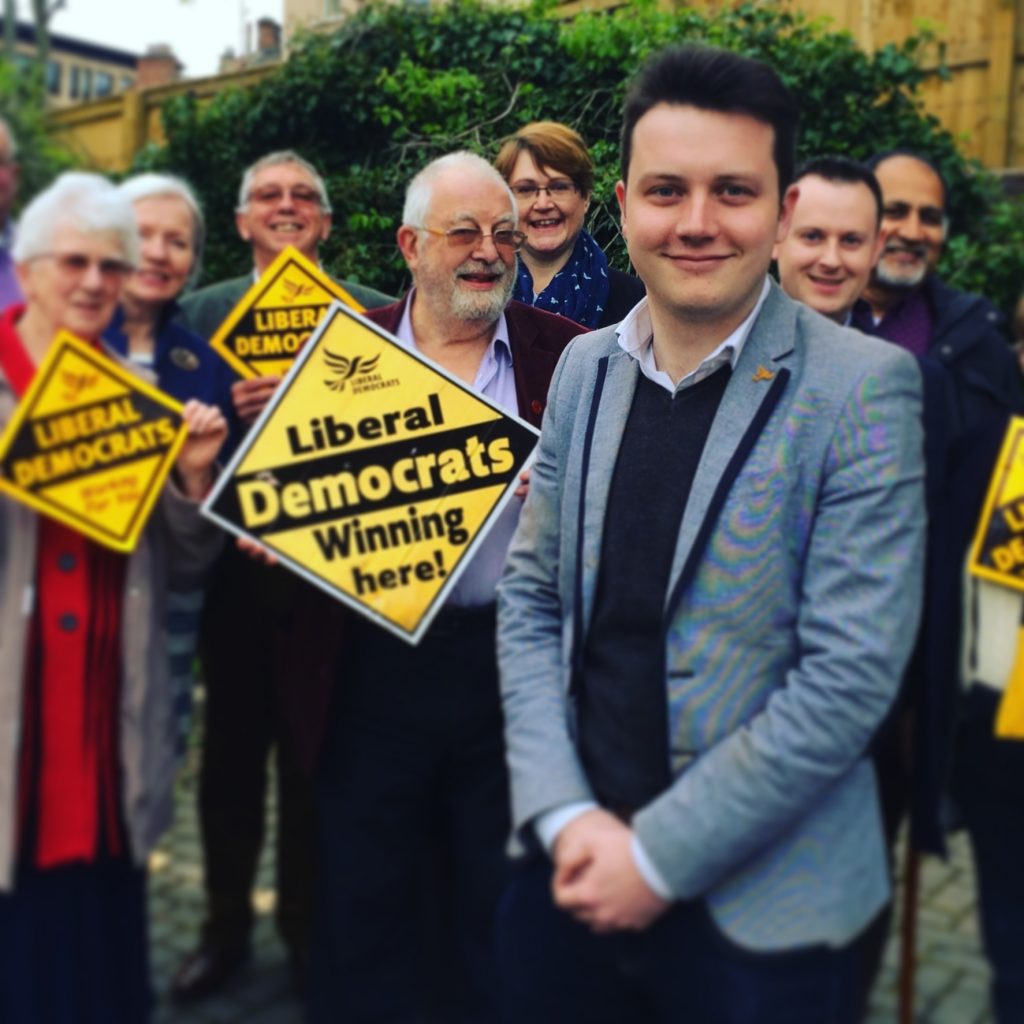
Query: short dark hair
(842, 169)
(921, 158)
(713, 79)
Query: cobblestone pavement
(951, 982)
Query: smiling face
(167, 249)
(700, 213)
(550, 224)
(913, 220)
(283, 208)
(826, 259)
(460, 282)
(76, 285)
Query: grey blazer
(794, 598)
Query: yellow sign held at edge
(90, 445)
(373, 473)
(276, 316)
(997, 553)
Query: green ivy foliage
(396, 85)
(40, 159)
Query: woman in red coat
(86, 720)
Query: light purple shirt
(495, 380)
(10, 293)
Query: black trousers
(242, 645)
(682, 968)
(412, 798)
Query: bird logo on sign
(295, 290)
(76, 383)
(344, 369)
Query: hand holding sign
(90, 445)
(250, 396)
(207, 430)
(373, 473)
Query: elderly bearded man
(414, 755)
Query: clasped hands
(596, 879)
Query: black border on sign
(415, 635)
(147, 500)
(1011, 443)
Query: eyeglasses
(74, 264)
(300, 196)
(555, 189)
(470, 238)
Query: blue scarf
(578, 291)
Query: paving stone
(951, 982)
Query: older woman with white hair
(86, 726)
(144, 330)
(171, 236)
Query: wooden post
(1002, 18)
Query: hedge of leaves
(397, 85)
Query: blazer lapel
(615, 402)
(751, 385)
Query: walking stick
(908, 934)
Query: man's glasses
(74, 264)
(560, 189)
(469, 238)
(300, 196)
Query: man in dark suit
(972, 383)
(413, 759)
(708, 604)
(245, 634)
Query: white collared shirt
(636, 337)
(495, 380)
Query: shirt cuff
(650, 874)
(549, 824)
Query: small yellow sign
(997, 553)
(90, 445)
(373, 473)
(276, 316)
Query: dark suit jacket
(972, 384)
(537, 340)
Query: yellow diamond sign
(276, 316)
(90, 445)
(998, 550)
(373, 473)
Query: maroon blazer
(536, 338)
(311, 665)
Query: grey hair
(282, 156)
(12, 142)
(420, 191)
(157, 186)
(86, 202)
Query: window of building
(127, 82)
(86, 83)
(54, 77)
(75, 89)
(104, 84)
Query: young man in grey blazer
(708, 604)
